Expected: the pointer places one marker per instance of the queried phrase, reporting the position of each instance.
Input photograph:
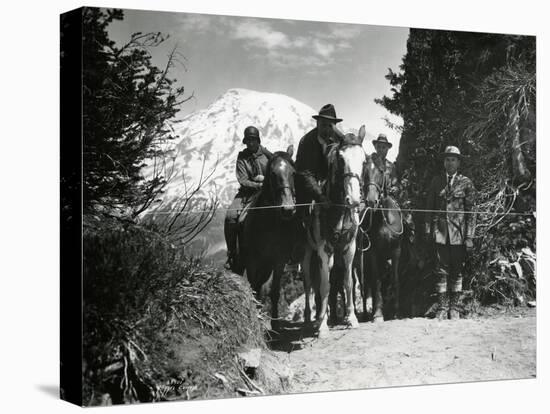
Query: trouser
(450, 263)
(231, 225)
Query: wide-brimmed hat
(382, 139)
(451, 151)
(328, 112)
(251, 132)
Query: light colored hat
(451, 151)
(382, 139)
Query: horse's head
(346, 162)
(373, 182)
(280, 183)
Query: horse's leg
(251, 269)
(350, 317)
(367, 282)
(275, 294)
(325, 264)
(378, 302)
(306, 271)
(358, 270)
(333, 295)
(396, 254)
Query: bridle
(350, 175)
(280, 189)
(378, 188)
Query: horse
(270, 228)
(381, 230)
(332, 229)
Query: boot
(228, 263)
(454, 306)
(230, 230)
(442, 306)
(439, 309)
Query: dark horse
(270, 228)
(379, 240)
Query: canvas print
(269, 206)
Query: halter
(273, 191)
(354, 175)
(350, 175)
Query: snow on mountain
(214, 136)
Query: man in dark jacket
(452, 230)
(251, 168)
(382, 146)
(311, 160)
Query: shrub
(158, 325)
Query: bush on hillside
(160, 326)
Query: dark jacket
(249, 165)
(311, 167)
(457, 226)
(390, 177)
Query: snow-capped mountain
(214, 136)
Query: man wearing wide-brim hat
(311, 161)
(312, 168)
(382, 146)
(452, 229)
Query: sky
(314, 62)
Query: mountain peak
(212, 137)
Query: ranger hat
(251, 132)
(328, 112)
(382, 139)
(451, 151)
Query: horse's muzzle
(351, 202)
(287, 212)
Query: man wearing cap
(250, 170)
(382, 146)
(311, 160)
(452, 229)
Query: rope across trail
(418, 210)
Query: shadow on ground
(291, 336)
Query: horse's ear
(362, 133)
(290, 150)
(339, 135)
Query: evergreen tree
(128, 107)
(475, 91)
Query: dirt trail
(417, 351)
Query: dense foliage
(129, 105)
(158, 325)
(475, 91)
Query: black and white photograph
(277, 206)
(263, 198)
(252, 205)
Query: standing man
(382, 146)
(452, 230)
(311, 160)
(251, 168)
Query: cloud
(197, 23)
(261, 34)
(344, 31)
(286, 50)
(279, 40)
